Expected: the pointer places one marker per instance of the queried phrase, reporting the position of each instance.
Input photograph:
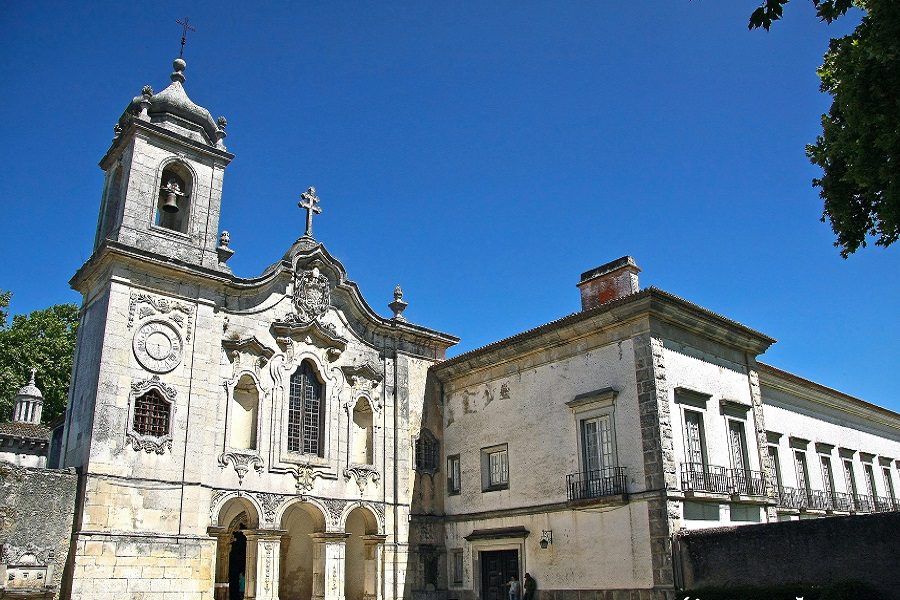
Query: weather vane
(186, 26)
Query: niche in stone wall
(173, 203)
(244, 414)
(361, 452)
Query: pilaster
(328, 565)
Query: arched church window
(305, 411)
(244, 414)
(427, 452)
(173, 205)
(362, 433)
(151, 415)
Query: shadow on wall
(426, 568)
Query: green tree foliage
(44, 340)
(859, 148)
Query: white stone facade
(274, 437)
(251, 434)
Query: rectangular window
(737, 443)
(597, 443)
(775, 464)
(695, 448)
(745, 514)
(456, 566)
(701, 511)
(888, 483)
(849, 480)
(827, 475)
(870, 480)
(802, 471)
(453, 475)
(494, 468)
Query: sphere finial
(179, 65)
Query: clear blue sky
(482, 154)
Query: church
(275, 437)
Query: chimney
(608, 282)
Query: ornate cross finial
(185, 27)
(310, 203)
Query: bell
(170, 204)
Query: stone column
(264, 562)
(223, 547)
(373, 546)
(328, 565)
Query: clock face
(157, 346)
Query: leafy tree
(44, 340)
(859, 148)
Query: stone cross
(309, 202)
(33, 373)
(185, 28)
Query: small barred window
(151, 415)
(427, 452)
(305, 412)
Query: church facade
(276, 438)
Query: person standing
(530, 587)
(514, 588)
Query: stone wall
(36, 509)
(814, 551)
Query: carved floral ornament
(363, 474)
(242, 462)
(149, 305)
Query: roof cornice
(650, 303)
(817, 393)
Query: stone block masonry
(36, 511)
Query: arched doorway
(298, 569)
(236, 517)
(361, 555)
(237, 565)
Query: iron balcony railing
(698, 477)
(801, 498)
(596, 484)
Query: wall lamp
(546, 538)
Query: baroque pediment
(366, 371)
(250, 345)
(312, 332)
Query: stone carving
(313, 333)
(504, 391)
(398, 305)
(157, 346)
(379, 510)
(163, 306)
(148, 443)
(450, 415)
(312, 296)
(269, 503)
(335, 509)
(364, 374)
(362, 474)
(256, 353)
(213, 502)
(242, 462)
(224, 238)
(305, 476)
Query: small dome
(173, 101)
(30, 390)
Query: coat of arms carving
(312, 296)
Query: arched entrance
(301, 578)
(362, 557)
(234, 572)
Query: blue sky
(480, 154)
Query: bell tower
(163, 188)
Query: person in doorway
(514, 588)
(530, 586)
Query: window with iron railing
(151, 415)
